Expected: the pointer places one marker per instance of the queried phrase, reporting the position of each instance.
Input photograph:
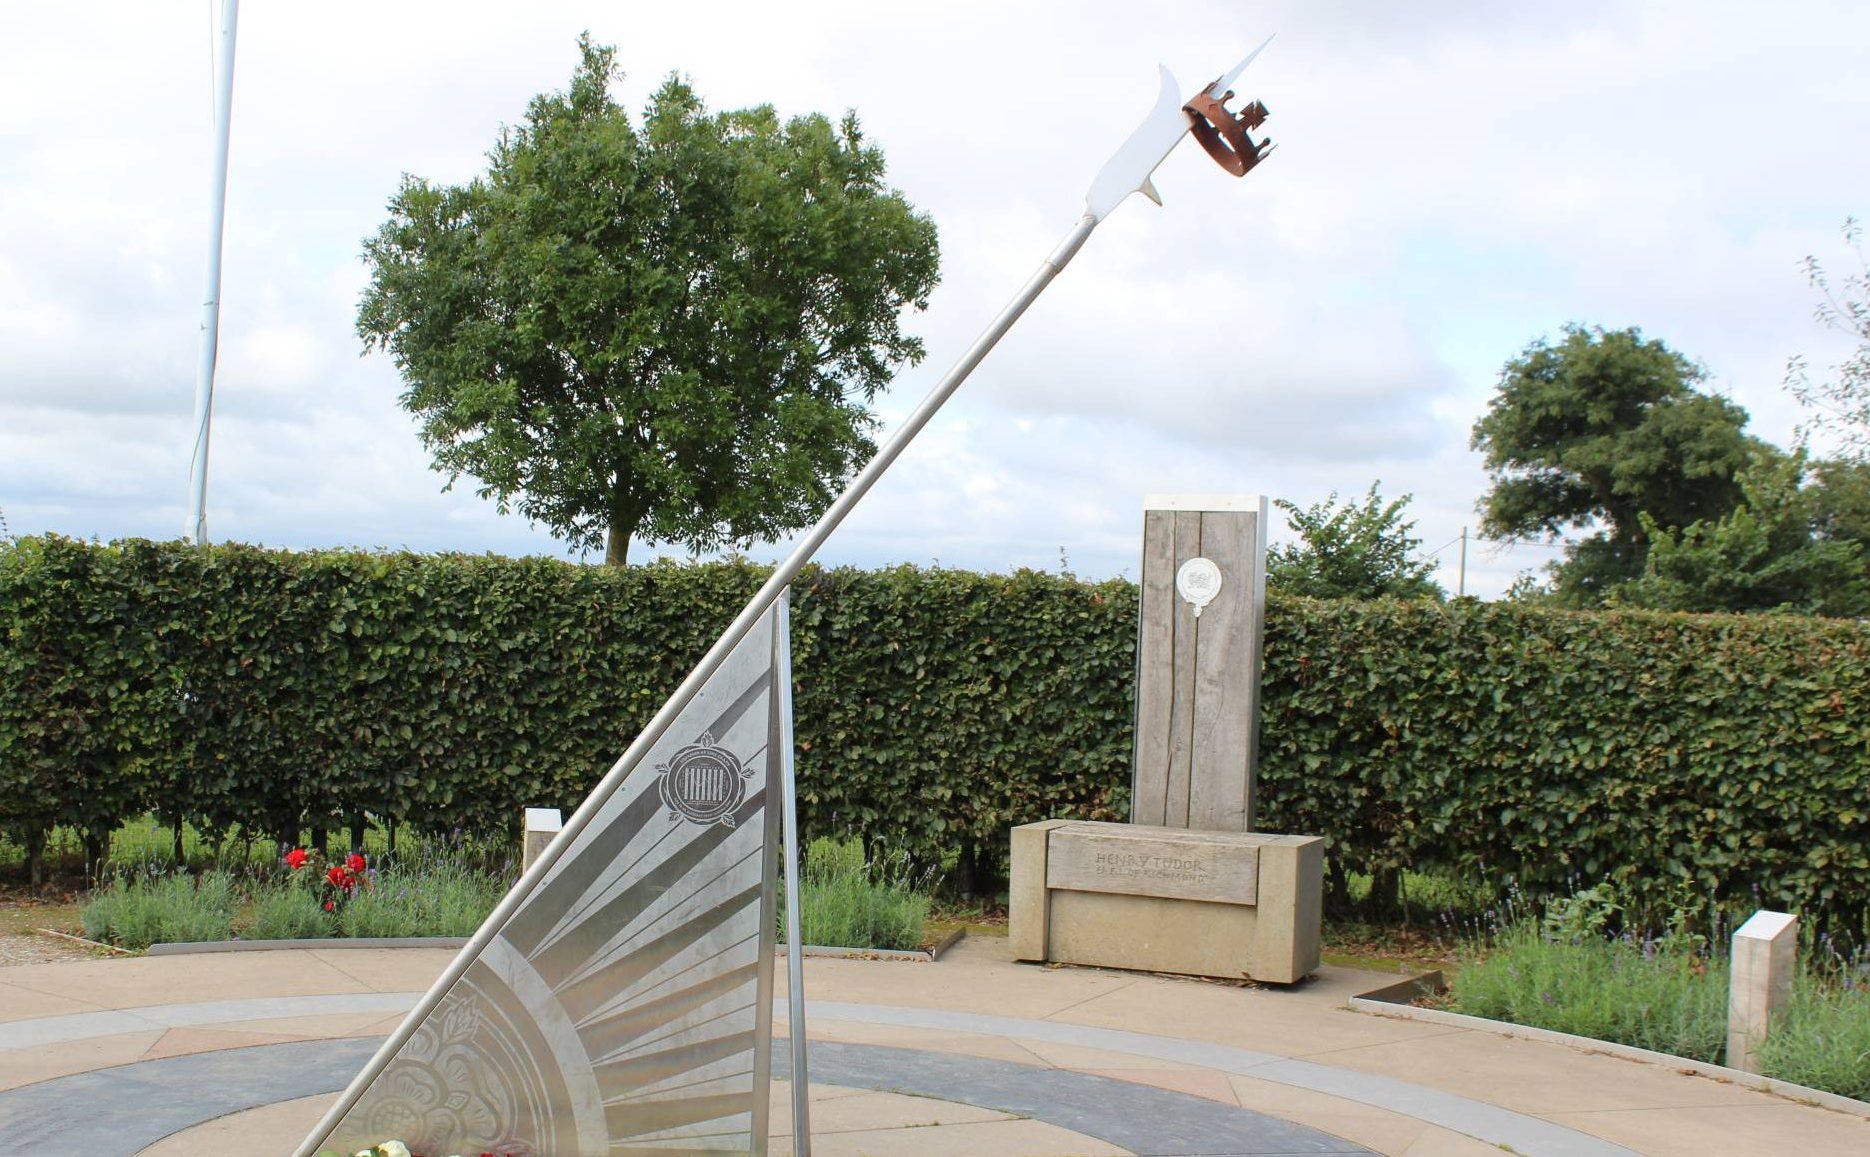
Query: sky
(1453, 180)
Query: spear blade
(1129, 169)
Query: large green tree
(1360, 550)
(668, 330)
(1776, 551)
(1596, 430)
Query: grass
(1575, 971)
(19, 916)
(846, 901)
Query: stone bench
(1159, 899)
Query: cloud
(1452, 181)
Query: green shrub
(1823, 1039)
(135, 913)
(287, 912)
(1564, 973)
(1607, 989)
(1686, 759)
(846, 902)
(435, 898)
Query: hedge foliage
(1686, 758)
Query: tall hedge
(1688, 758)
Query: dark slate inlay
(119, 1112)
(1147, 1121)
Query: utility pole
(1460, 589)
(197, 528)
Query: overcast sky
(1453, 180)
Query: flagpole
(197, 528)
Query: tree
(1592, 433)
(1839, 406)
(1770, 553)
(1840, 493)
(668, 331)
(1355, 551)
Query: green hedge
(1687, 758)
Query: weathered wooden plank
(1219, 782)
(1137, 860)
(1183, 651)
(1155, 672)
(1256, 652)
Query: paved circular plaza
(239, 1053)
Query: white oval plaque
(1198, 581)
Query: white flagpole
(197, 528)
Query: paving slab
(125, 983)
(865, 1109)
(180, 1042)
(29, 1066)
(1379, 1129)
(985, 1045)
(1770, 1126)
(379, 969)
(955, 982)
(1541, 1078)
(1296, 1023)
(18, 1002)
(1011, 1138)
(1441, 1143)
(1400, 1088)
(254, 1131)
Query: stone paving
(239, 1053)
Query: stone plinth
(1161, 899)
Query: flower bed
(306, 898)
(1569, 973)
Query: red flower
(329, 906)
(355, 863)
(295, 859)
(338, 876)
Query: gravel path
(31, 949)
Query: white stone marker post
(542, 823)
(1765, 952)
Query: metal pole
(795, 964)
(1460, 590)
(782, 576)
(197, 528)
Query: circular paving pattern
(120, 1111)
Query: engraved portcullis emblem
(703, 782)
